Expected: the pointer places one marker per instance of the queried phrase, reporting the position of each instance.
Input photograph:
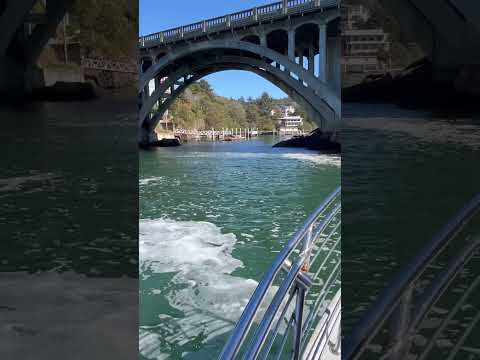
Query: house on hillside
(287, 122)
(363, 50)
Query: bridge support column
(11, 19)
(157, 82)
(291, 44)
(146, 136)
(311, 60)
(334, 63)
(263, 40)
(12, 81)
(322, 46)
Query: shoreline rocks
(316, 140)
(162, 143)
(415, 87)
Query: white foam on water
(203, 289)
(320, 159)
(15, 183)
(151, 180)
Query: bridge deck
(240, 19)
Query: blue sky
(157, 15)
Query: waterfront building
(354, 14)
(288, 123)
(364, 50)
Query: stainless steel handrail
(301, 237)
(402, 286)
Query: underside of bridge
(300, 55)
(447, 30)
(25, 32)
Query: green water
(405, 173)
(212, 218)
(68, 188)
(69, 230)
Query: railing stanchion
(300, 301)
(399, 326)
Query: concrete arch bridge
(295, 44)
(24, 35)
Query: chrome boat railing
(301, 294)
(445, 271)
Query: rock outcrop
(316, 140)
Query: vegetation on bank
(101, 28)
(107, 28)
(200, 108)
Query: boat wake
(204, 299)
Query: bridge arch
(269, 48)
(316, 97)
(173, 86)
(252, 38)
(146, 63)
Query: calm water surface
(405, 173)
(212, 218)
(69, 230)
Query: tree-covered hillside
(107, 28)
(200, 108)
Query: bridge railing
(241, 18)
(99, 63)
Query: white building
(363, 50)
(353, 14)
(288, 124)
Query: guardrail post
(162, 37)
(182, 32)
(300, 301)
(285, 7)
(255, 14)
(229, 20)
(204, 26)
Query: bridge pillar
(263, 40)
(291, 44)
(12, 78)
(333, 67)
(322, 50)
(311, 60)
(11, 19)
(285, 7)
(146, 136)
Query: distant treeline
(200, 108)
